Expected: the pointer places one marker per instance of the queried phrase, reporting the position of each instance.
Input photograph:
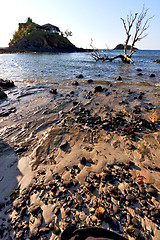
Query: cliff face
(45, 42)
(40, 41)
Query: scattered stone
(83, 161)
(157, 61)
(140, 74)
(135, 222)
(90, 81)
(67, 183)
(75, 103)
(57, 210)
(35, 210)
(118, 78)
(152, 75)
(152, 191)
(53, 91)
(75, 83)
(139, 70)
(139, 211)
(7, 112)
(64, 146)
(115, 209)
(80, 76)
(140, 96)
(130, 198)
(98, 89)
(99, 213)
(6, 83)
(79, 199)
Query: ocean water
(44, 68)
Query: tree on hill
(140, 24)
(23, 30)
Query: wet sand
(87, 156)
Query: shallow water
(33, 68)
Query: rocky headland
(31, 37)
(121, 47)
(39, 41)
(86, 155)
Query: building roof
(48, 25)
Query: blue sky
(96, 19)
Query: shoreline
(78, 151)
(38, 50)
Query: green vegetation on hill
(44, 41)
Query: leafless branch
(141, 25)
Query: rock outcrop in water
(121, 46)
(31, 37)
(39, 41)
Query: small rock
(99, 213)
(80, 76)
(157, 61)
(98, 89)
(152, 75)
(135, 221)
(35, 210)
(68, 211)
(90, 81)
(139, 70)
(114, 224)
(53, 91)
(57, 210)
(75, 103)
(67, 183)
(155, 213)
(136, 232)
(64, 146)
(118, 78)
(6, 83)
(139, 211)
(115, 209)
(140, 74)
(130, 198)
(83, 161)
(94, 219)
(152, 191)
(79, 199)
(75, 83)
(140, 96)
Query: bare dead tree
(141, 25)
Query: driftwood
(137, 21)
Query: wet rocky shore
(86, 155)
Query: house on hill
(49, 28)
(46, 27)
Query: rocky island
(31, 37)
(121, 47)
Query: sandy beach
(86, 155)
